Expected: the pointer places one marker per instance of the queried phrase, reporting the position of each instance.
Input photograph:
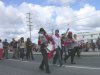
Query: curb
(82, 53)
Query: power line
(81, 19)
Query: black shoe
(65, 61)
(79, 57)
(41, 68)
(60, 65)
(32, 58)
(73, 63)
(53, 63)
(48, 72)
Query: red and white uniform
(1, 50)
(57, 41)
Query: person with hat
(57, 40)
(6, 48)
(43, 44)
(69, 43)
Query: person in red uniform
(1, 50)
(43, 44)
(70, 47)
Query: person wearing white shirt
(77, 45)
(57, 41)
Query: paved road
(85, 66)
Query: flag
(51, 50)
(50, 54)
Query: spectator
(6, 48)
(14, 45)
(22, 47)
(29, 49)
(98, 43)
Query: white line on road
(80, 67)
(17, 60)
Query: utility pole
(52, 31)
(29, 18)
(49, 23)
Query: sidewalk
(90, 53)
(97, 53)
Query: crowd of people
(55, 46)
(21, 49)
(59, 45)
(91, 46)
(67, 42)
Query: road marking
(80, 67)
(66, 66)
(18, 60)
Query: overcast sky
(81, 15)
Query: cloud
(13, 19)
(62, 2)
(88, 17)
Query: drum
(50, 50)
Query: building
(89, 36)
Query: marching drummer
(43, 44)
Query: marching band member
(57, 41)
(77, 45)
(63, 51)
(1, 49)
(70, 47)
(50, 48)
(43, 44)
